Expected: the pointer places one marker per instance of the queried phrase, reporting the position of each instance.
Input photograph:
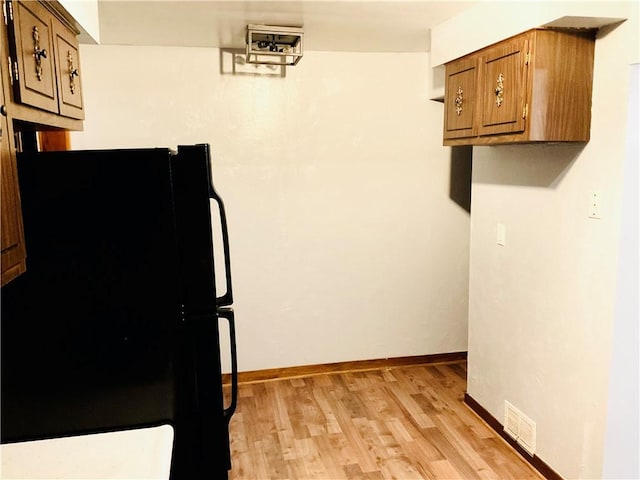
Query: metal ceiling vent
(270, 45)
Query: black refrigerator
(116, 323)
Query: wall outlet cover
(501, 234)
(594, 205)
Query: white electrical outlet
(520, 427)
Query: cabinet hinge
(17, 136)
(525, 110)
(527, 58)
(13, 71)
(7, 11)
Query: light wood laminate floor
(393, 423)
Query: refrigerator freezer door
(88, 332)
(115, 325)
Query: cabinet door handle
(228, 314)
(73, 72)
(38, 53)
(458, 100)
(499, 90)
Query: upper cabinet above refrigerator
(44, 63)
(533, 87)
(41, 83)
(13, 258)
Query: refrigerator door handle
(229, 315)
(227, 298)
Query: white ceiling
(347, 25)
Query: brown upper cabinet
(67, 56)
(44, 59)
(41, 92)
(460, 108)
(533, 87)
(13, 259)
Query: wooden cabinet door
(13, 251)
(33, 49)
(503, 83)
(68, 71)
(460, 98)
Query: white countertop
(138, 454)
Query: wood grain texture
(460, 80)
(562, 85)
(54, 140)
(358, 365)
(506, 61)
(404, 422)
(13, 258)
(548, 79)
(548, 472)
(35, 89)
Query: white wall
(490, 21)
(345, 244)
(85, 13)
(622, 441)
(542, 307)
